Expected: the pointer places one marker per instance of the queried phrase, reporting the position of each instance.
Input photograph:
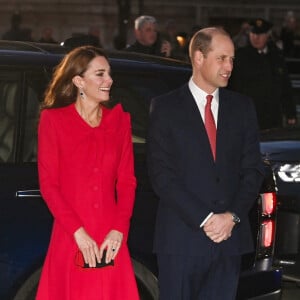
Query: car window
(9, 110)
(36, 82)
(135, 92)
(30, 128)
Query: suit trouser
(198, 277)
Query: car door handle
(28, 193)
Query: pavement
(291, 291)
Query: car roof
(12, 52)
(280, 134)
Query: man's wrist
(235, 218)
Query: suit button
(218, 179)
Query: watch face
(235, 219)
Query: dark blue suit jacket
(190, 184)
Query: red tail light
(267, 228)
(268, 203)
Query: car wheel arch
(28, 289)
(146, 280)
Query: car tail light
(268, 203)
(267, 233)
(267, 220)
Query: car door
(25, 222)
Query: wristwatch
(235, 219)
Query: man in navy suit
(205, 190)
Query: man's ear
(198, 57)
(78, 81)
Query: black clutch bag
(79, 261)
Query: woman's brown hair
(61, 90)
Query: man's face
(214, 68)
(259, 40)
(147, 35)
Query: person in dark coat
(289, 37)
(15, 32)
(47, 36)
(260, 72)
(206, 180)
(148, 40)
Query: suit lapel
(193, 120)
(224, 116)
(191, 112)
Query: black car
(281, 147)
(25, 222)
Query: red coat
(87, 179)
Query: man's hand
(218, 228)
(166, 48)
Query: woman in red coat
(86, 173)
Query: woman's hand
(112, 243)
(88, 247)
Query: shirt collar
(200, 95)
(263, 51)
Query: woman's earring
(81, 93)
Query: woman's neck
(91, 114)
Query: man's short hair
(141, 20)
(201, 40)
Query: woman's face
(96, 80)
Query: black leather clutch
(79, 261)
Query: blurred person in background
(94, 33)
(178, 40)
(241, 39)
(260, 72)
(47, 36)
(15, 32)
(289, 37)
(91, 38)
(148, 40)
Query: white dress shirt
(200, 98)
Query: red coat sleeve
(126, 181)
(48, 168)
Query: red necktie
(210, 125)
